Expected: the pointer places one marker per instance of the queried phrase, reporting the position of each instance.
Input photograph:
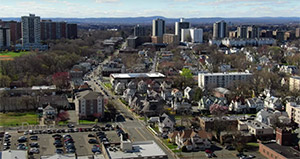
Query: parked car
(34, 144)
(34, 137)
(22, 139)
(91, 135)
(59, 151)
(34, 150)
(93, 141)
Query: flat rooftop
(141, 149)
(285, 151)
(138, 75)
(296, 77)
(225, 74)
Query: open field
(10, 55)
(15, 119)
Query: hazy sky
(136, 8)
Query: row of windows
(269, 154)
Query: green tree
(4, 81)
(186, 73)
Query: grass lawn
(14, 54)
(16, 119)
(253, 144)
(63, 123)
(170, 145)
(86, 122)
(179, 117)
(108, 86)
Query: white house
(193, 140)
(166, 123)
(273, 103)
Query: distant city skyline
(138, 8)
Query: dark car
(34, 137)
(91, 135)
(59, 151)
(96, 149)
(70, 151)
(22, 139)
(93, 141)
(59, 145)
(34, 144)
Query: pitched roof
(173, 135)
(186, 134)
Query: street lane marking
(140, 134)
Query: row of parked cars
(6, 143)
(69, 130)
(66, 142)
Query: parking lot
(45, 141)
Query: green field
(14, 54)
(86, 122)
(16, 119)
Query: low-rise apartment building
(89, 104)
(293, 111)
(206, 80)
(294, 83)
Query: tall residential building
(139, 30)
(71, 31)
(220, 30)
(242, 32)
(4, 38)
(53, 30)
(253, 32)
(279, 35)
(214, 80)
(297, 33)
(158, 27)
(31, 30)
(192, 35)
(181, 25)
(15, 30)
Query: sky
(138, 8)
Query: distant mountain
(148, 20)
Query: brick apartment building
(282, 148)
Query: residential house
(188, 93)
(207, 101)
(166, 89)
(181, 105)
(238, 106)
(254, 104)
(192, 140)
(49, 114)
(269, 117)
(119, 88)
(166, 123)
(274, 103)
(152, 107)
(89, 104)
(289, 69)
